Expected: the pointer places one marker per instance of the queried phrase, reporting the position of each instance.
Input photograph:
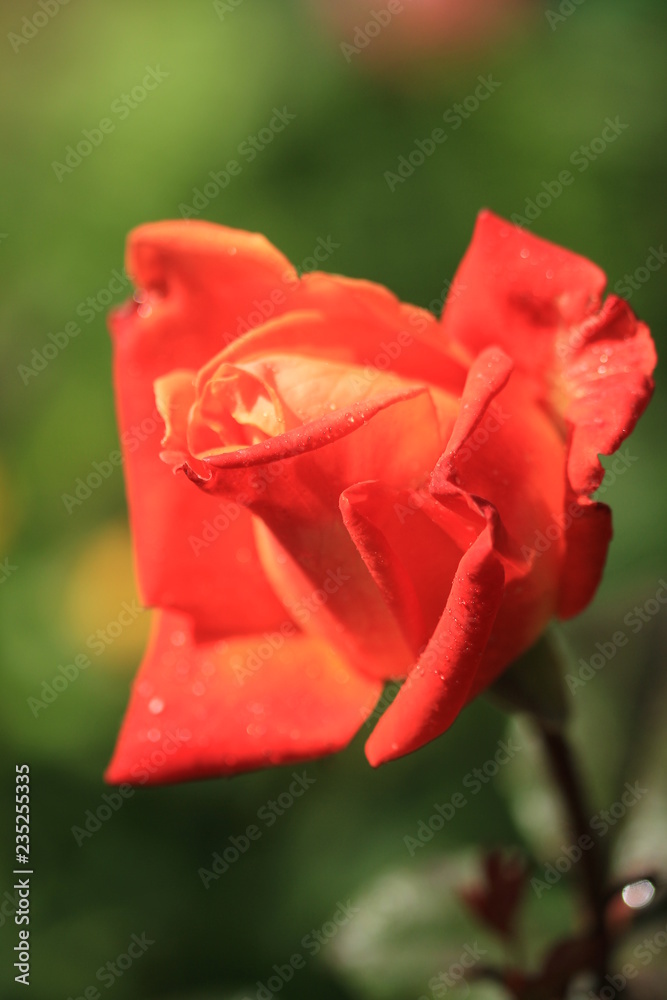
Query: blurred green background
(66, 574)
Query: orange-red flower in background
(350, 490)
(406, 31)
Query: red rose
(406, 32)
(350, 490)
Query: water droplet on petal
(153, 735)
(255, 729)
(524, 253)
(549, 275)
(178, 638)
(155, 706)
(638, 894)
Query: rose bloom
(408, 30)
(337, 489)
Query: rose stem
(566, 776)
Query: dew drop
(144, 310)
(549, 275)
(155, 706)
(178, 638)
(153, 735)
(255, 729)
(524, 253)
(231, 251)
(638, 894)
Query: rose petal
(607, 383)
(587, 537)
(438, 687)
(381, 334)
(519, 292)
(217, 709)
(195, 280)
(293, 484)
(412, 546)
